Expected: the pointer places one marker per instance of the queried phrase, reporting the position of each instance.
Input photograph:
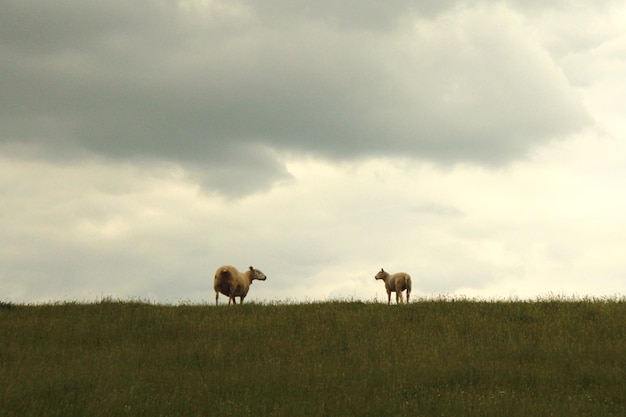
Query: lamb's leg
(398, 293)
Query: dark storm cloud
(217, 85)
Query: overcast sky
(478, 145)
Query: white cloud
(548, 225)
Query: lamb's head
(382, 274)
(256, 274)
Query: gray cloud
(359, 135)
(216, 86)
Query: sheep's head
(382, 274)
(256, 274)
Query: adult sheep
(232, 283)
(397, 283)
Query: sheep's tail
(224, 273)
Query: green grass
(430, 358)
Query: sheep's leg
(217, 294)
(408, 292)
(388, 296)
(233, 288)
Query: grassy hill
(430, 358)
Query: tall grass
(430, 358)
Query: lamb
(232, 283)
(397, 283)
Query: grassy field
(430, 358)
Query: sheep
(397, 283)
(232, 283)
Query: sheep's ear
(382, 270)
(251, 269)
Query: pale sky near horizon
(478, 145)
